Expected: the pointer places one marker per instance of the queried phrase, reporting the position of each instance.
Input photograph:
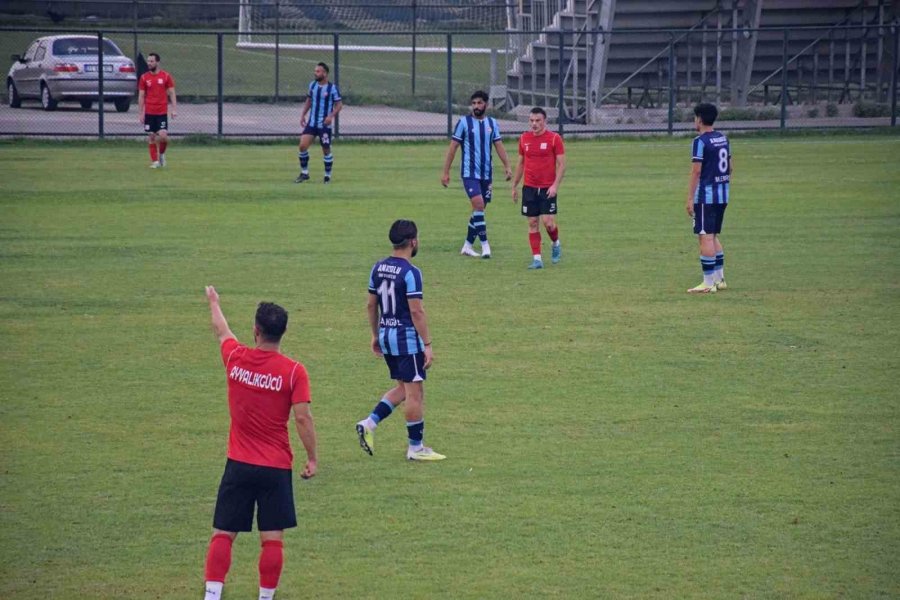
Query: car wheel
(86, 104)
(123, 104)
(13, 95)
(47, 100)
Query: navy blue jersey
(476, 138)
(712, 150)
(395, 280)
(322, 100)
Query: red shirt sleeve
(558, 146)
(170, 83)
(142, 84)
(299, 385)
(228, 348)
(521, 146)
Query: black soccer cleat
(301, 178)
(327, 179)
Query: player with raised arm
(399, 334)
(707, 198)
(476, 134)
(543, 163)
(322, 105)
(264, 388)
(157, 106)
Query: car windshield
(82, 46)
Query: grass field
(608, 435)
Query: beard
(478, 112)
(320, 79)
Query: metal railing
(390, 91)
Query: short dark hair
(402, 231)
(537, 110)
(479, 94)
(155, 55)
(271, 320)
(324, 66)
(707, 113)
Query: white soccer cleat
(703, 289)
(485, 250)
(424, 454)
(468, 250)
(155, 164)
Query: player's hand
(376, 347)
(445, 179)
(689, 207)
(309, 470)
(515, 194)
(508, 174)
(212, 295)
(328, 121)
(429, 357)
(303, 121)
(551, 191)
(172, 114)
(141, 118)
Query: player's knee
(326, 150)
(477, 203)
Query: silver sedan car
(65, 67)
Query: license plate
(93, 68)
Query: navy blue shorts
(478, 187)
(708, 218)
(244, 486)
(407, 368)
(323, 133)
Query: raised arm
(219, 324)
(306, 429)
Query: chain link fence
(404, 84)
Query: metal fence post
(671, 115)
(449, 84)
(100, 83)
(561, 100)
(784, 65)
(894, 76)
(220, 68)
(277, 48)
(337, 77)
(414, 18)
(134, 22)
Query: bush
(831, 109)
(871, 109)
(812, 113)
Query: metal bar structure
(671, 112)
(220, 92)
(561, 116)
(413, 65)
(100, 109)
(449, 85)
(277, 48)
(894, 63)
(784, 79)
(336, 60)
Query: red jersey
(539, 153)
(262, 387)
(155, 87)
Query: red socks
(162, 146)
(553, 233)
(218, 558)
(535, 240)
(154, 155)
(271, 560)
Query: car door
(25, 76)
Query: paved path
(283, 120)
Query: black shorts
(153, 123)
(409, 367)
(323, 133)
(535, 202)
(708, 218)
(245, 485)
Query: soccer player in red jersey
(157, 106)
(264, 386)
(543, 162)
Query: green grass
(608, 435)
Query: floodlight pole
(220, 67)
